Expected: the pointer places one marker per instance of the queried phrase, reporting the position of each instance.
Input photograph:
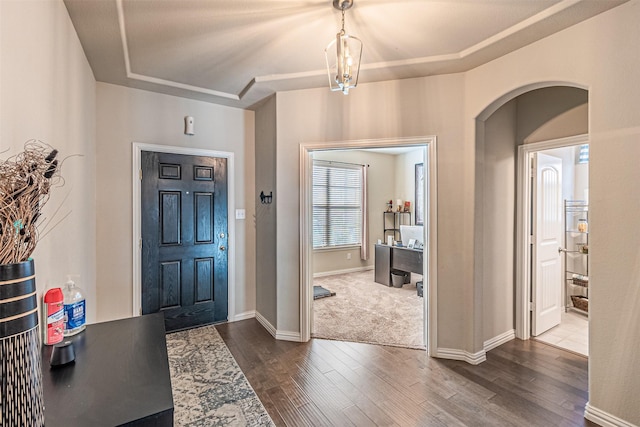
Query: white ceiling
(236, 52)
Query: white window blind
(337, 204)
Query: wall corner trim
(456, 354)
(288, 336)
(603, 418)
(498, 340)
(279, 335)
(243, 316)
(265, 323)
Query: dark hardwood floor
(324, 383)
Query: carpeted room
(364, 309)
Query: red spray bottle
(54, 316)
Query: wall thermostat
(188, 125)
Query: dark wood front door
(184, 238)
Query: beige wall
(600, 54)
(130, 115)
(574, 121)
(495, 220)
(406, 177)
(381, 176)
(47, 92)
(538, 108)
(265, 221)
(404, 108)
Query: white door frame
(430, 208)
(523, 226)
(138, 148)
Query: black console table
(396, 258)
(120, 377)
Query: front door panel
(184, 239)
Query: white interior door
(547, 232)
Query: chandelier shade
(343, 55)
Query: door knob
(222, 248)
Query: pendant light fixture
(343, 55)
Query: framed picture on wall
(419, 209)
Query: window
(337, 204)
(583, 154)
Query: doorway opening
(534, 117)
(556, 267)
(307, 153)
(362, 199)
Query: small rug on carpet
(209, 389)
(368, 312)
(320, 292)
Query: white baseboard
(479, 357)
(497, 341)
(264, 322)
(288, 336)
(348, 270)
(244, 316)
(603, 418)
(279, 335)
(455, 354)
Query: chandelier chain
(343, 9)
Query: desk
(120, 377)
(396, 258)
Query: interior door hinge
(140, 174)
(532, 306)
(532, 239)
(140, 244)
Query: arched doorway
(531, 114)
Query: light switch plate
(240, 214)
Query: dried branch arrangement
(25, 181)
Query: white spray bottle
(74, 309)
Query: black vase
(20, 358)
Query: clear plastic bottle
(74, 309)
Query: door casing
(431, 209)
(138, 148)
(523, 226)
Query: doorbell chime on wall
(188, 125)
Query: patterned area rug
(368, 312)
(209, 389)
